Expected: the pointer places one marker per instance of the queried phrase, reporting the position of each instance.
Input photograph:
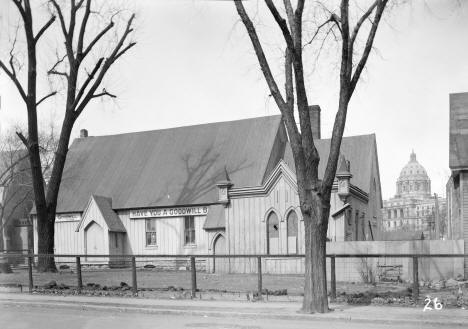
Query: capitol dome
(413, 180)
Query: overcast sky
(194, 64)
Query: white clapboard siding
(246, 229)
(67, 240)
(169, 235)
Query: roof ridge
(351, 136)
(187, 126)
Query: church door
(94, 241)
(220, 265)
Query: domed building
(413, 181)
(413, 208)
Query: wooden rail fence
(414, 257)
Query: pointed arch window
(272, 234)
(292, 228)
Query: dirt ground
(176, 284)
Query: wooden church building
(217, 188)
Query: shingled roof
(458, 158)
(358, 150)
(114, 224)
(177, 166)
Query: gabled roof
(114, 224)
(178, 166)
(358, 150)
(104, 205)
(458, 153)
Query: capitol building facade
(414, 209)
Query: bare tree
(314, 193)
(16, 190)
(12, 159)
(83, 77)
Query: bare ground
(176, 284)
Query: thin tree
(314, 191)
(83, 77)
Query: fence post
(415, 279)
(193, 271)
(194, 276)
(259, 273)
(134, 277)
(333, 278)
(78, 274)
(30, 261)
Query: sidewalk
(277, 310)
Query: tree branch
(116, 53)
(53, 69)
(337, 20)
(130, 45)
(265, 67)
(289, 84)
(43, 29)
(95, 40)
(61, 18)
(15, 80)
(317, 31)
(9, 167)
(104, 93)
(281, 23)
(23, 139)
(68, 42)
(361, 21)
(12, 72)
(45, 97)
(19, 5)
(370, 41)
(87, 82)
(291, 17)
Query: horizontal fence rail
(192, 258)
(233, 256)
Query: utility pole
(437, 219)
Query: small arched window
(292, 232)
(272, 234)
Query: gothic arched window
(272, 233)
(291, 221)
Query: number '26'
(437, 306)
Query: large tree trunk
(45, 233)
(46, 238)
(315, 275)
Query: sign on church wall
(170, 212)
(67, 218)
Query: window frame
(288, 219)
(189, 232)
(152, 233)
(277, 230)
